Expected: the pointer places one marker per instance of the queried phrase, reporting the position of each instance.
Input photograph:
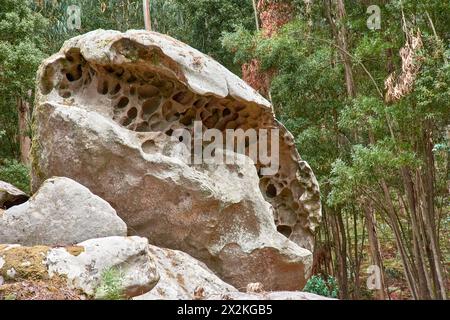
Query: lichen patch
(75, 250)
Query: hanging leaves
(401, 85)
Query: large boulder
(84, 267)
(107, 106)
(183, 278)
(11, 196)
(61, 212)
(215, 212)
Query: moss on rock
(26, 263)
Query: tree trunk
(23, 112)
(329, 264)
(375, 251)
(147, 15)
(429, 213)
(340, 243)
(255, 10)
(358, 255)
(410, 273)
(418, 234)
(340, 34)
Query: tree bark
(428, 187)
(340, 34)
(418, 234)
(255, 10)
(358, 254)
(340, 243)
(147, 15)
(408, 269)
(374, 246)
(23, 112)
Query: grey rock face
(108, 102)
(61, 212)
(84, 266)
(276, 295)
(11, 196)
(182, 277)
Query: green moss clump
(27, 262)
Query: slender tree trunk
(147, 15)
(335, 12)
(433, 246)
(308, 14)
(255, 10)
(419, 190)
(374, 246)
(408, 269)
(343, 255)
(357, 256)
(23, 111)
(330, 263)
(342, 41)
(419, 252)
(340, 243)
(429, 214)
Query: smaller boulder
(61, 212)
(101, 268)
(183, 278)
(11, 196)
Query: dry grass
(56, 289)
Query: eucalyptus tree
(370, 111)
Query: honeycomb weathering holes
(143, 100)
(123, 102)
(149, 146)
(285, 230)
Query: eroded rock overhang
(149, 82)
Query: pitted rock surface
(117, 97)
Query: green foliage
(32, 30)
(368, 165)
(21, 52)
(240, 42)
(200, 23)
(16, 174)
(350, 142)
(21, 32)
(309, 96)
(110, 287)
(322, 285)
(353, 143)
(393, 273)
(108, 14)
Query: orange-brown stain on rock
(75, 250)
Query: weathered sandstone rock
(10, 195)
(109, 102)
(83, 265)
(276, 295)
(61, 212)
(182, 277)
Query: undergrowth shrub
(322, 285)
(15, 173)
(110, 287)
